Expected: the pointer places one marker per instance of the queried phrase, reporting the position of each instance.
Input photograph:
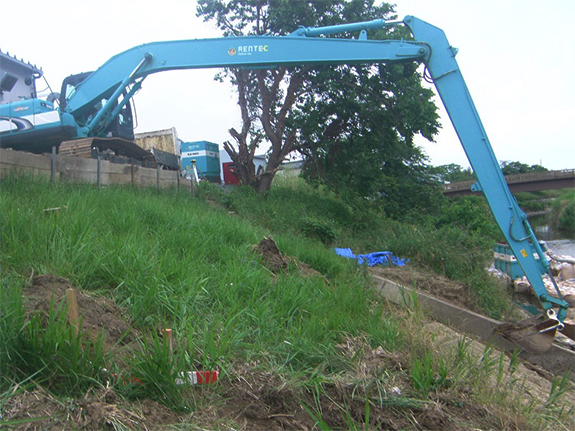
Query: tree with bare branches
(266, 98)
(354, 123)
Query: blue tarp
(378, 258)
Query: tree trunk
(264, 182)
(273, 115)
(243, 158)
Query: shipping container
(505, 261)
(165, 140)
(207, 157)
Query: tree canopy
(452, 173)
(353, 124)
(512, 168)
(357, 127)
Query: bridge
(531, 182)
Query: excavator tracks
(115, 150)
(78, 148)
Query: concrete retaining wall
(77, 169)
(14, 161)
(557, 360)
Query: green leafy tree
(512, 168)
(452, 173)
(266, 97)
(369, 116)
(357, 126)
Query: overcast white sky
(517, 57)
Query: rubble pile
(564, 273)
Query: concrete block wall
(77, 169)
(14, 161)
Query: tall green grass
(457, 242)
(170, 259)
(155, 244)
(176, 261)
(43, 346)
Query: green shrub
(563, 213)
(469, 214)
(324, 231)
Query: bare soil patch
(439, 286)
(264, 402)
(259, 401)
(97, 314)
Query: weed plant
(45, 346)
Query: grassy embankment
(170, 260)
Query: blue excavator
(94, 111)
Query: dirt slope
(249, 399)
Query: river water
(558, 241)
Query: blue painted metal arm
(112, 101)
(248, 51)
(453, 91)
(342, 28)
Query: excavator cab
(122, 126)
(112, 139)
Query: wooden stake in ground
(169, 340)
(72, 309)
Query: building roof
(32, 67)
(171, 131)
(293, 164)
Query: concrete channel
(557, 360)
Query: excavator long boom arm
(430, 46)
(455, 96)
(246, 51)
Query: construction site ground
(249, 399)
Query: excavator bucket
(569, 330)
(535, 334)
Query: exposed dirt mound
(271, 256)
(273, 259)
(97, 314)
